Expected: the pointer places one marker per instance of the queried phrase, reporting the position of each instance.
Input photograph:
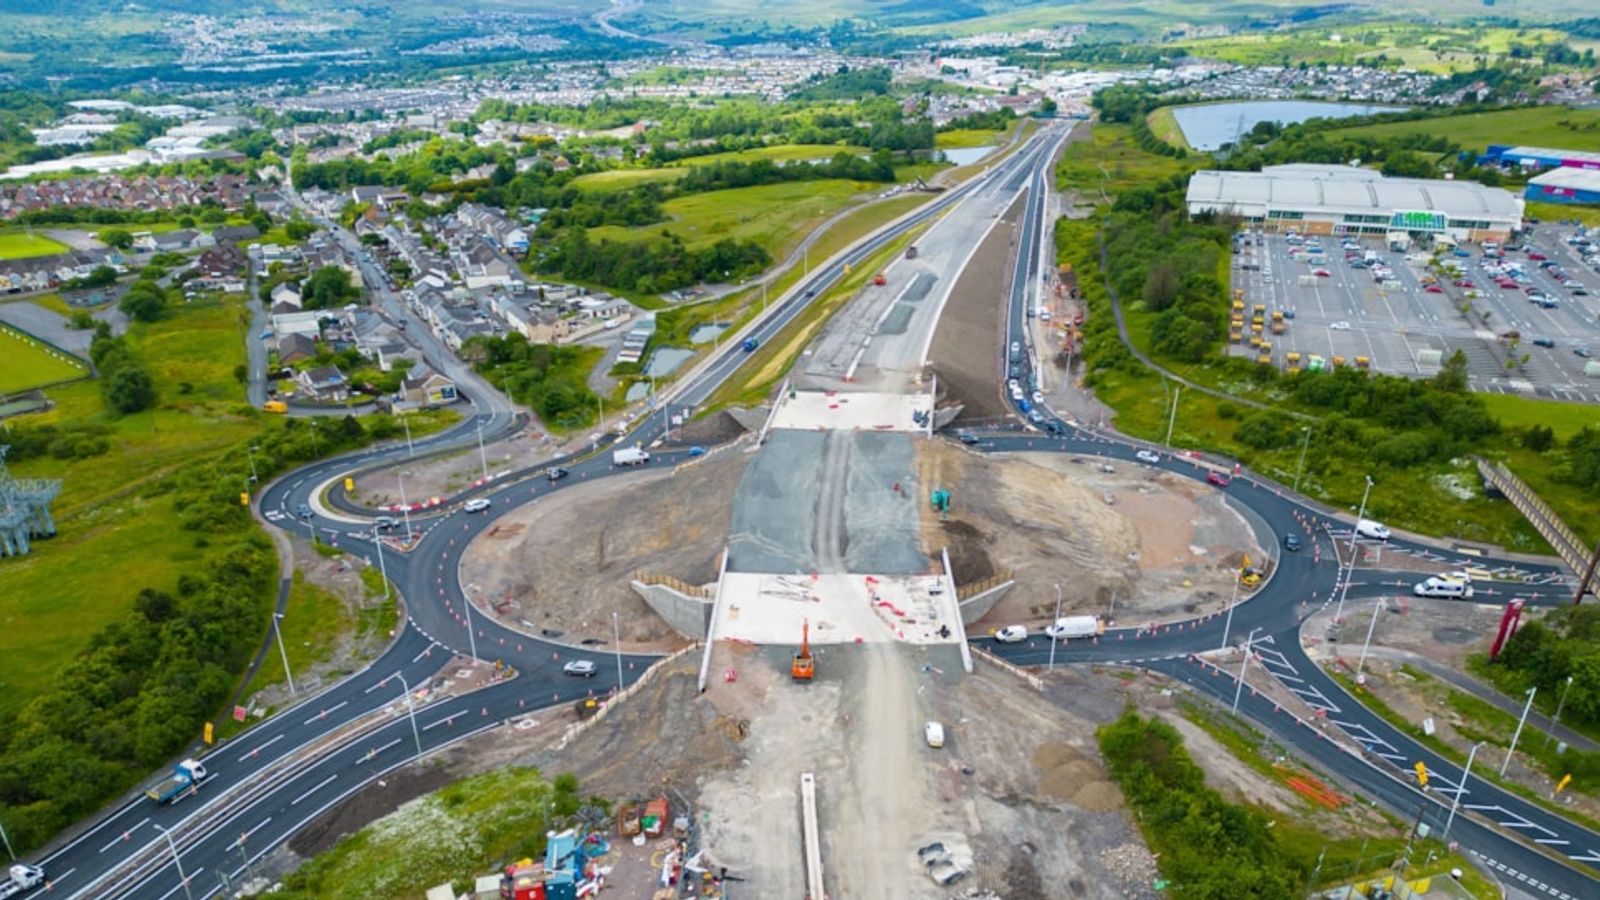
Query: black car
(1291, 543)
(1543, 342)
(967, 438)
(556, 473)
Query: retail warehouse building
(1565, 185)
(1317, 199)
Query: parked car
(933, 733)
(1012, 634)
(1581, 351)
(1339, 326)
(582, 668)
(1543, 342)
(477, 504)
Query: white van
(933, 733)
(1443, 588)
(1368, 528)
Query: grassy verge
(1383, 710)
(673, 326)
(471, 828)
(1561, 212)
(769, 363)
(1164, 125)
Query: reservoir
(1209, 126)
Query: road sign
(239, 713)
(1422, 773)
(209, 735)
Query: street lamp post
(1460, 789)
(472, 640)
(176, 860)
(483, 458)
(1350, 569)
(7, 841)
(616, 643)
(277, 628)
(405, 505)
(1372, 626)
(1053, 623)
(252, 451)
(1173, 418)
(1244, 667)
(411, 451)
(1300, 468)
(1227, 624)
(411, 711)
(1557, 720)
(1518, 733)
(383, 570)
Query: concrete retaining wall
(978, 605)
(689, 616)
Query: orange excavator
(803, 667)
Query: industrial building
(1565, 185)
(1322, 199)
(1539, 158)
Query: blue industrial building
(1565, 185)
(1507, 156)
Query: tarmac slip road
(116, 836)
(1512, 860)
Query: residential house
(287, 296)
(324, 383)
(293, 348)
(424, 387)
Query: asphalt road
(217, 838)
(223, 839)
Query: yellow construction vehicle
(1264, 353)
(1278, 324)
(1291, 361)
(1363, 362)
(1338, 362)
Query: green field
(27, 363)
(1555, 212)
(115, 528)
(776, 216)
(967, 137)
(21, 245)
(622, 179)
(1541, 126)
(1109, 161)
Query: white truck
(629, 456)
(1068, 627)
(23, 877)
(184, 780)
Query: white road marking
(264, 746)
(124, 836)
(319, 786)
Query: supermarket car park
(1304, 302)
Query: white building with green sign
(1320, 199)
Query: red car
(1536, 256)
(1434, 289)
(1463, 283)
(1322, 273)
(1218, 479)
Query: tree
(1452, 378)
(119, 238)
(128, 389)
(328, 287)
(299, 229)
(144, 301)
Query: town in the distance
(982, 450)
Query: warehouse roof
(1580, 156)
(1343, 189)
(1570, 178)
